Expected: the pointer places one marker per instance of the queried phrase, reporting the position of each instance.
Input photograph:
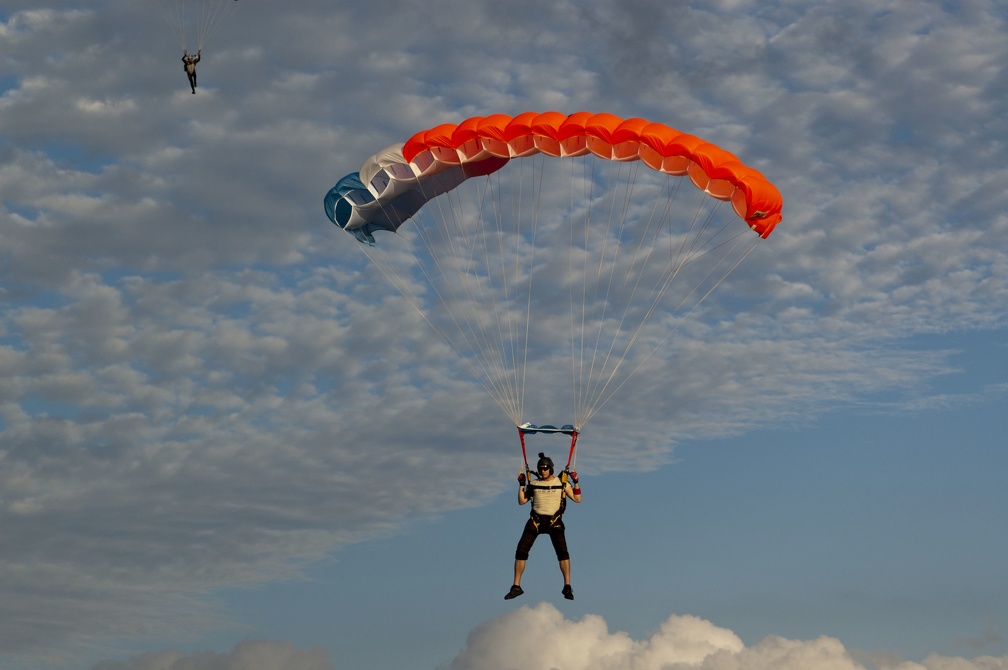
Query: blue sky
(223, 444)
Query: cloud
(542, 638)
(201, 382)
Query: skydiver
(189, 63)
(548, 495)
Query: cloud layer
(542, 638)
(202, 381)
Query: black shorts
(532, 531)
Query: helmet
(545, 461)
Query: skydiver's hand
(521, 479)
(573, 476)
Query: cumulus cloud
(542, 638)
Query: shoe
(514, 592)
(568, 592)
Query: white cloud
(542, 638)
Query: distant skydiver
(189, 63)
(549, 500)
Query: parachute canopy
(193, 22)
(555, 254)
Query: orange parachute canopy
(544, 235)
(712, 169)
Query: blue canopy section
(339, 208)
(529, 428)
(352, 206)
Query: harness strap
(537, 519)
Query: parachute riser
(521, 437)
(570, 456)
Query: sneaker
(514, 592)
(568, 592)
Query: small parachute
(193, 22)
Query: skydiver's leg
(528, 538)
(518, 571)
(559, 538)
(565, 571)
(568, 593)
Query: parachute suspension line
(672, 331)
(599, 271)
(461, 235)
(617, 184)
(405, 287)
(599, 388)
(506, 340)
(586, 346)
(578, 318)
(624, 213)
(576, 355)
(505, 346)
(469, 230)
(173, 13)
(194, 19)
(495, 352)
(589, 363)
(588, 179)
(681, 260)
(690, 250)
(536, 187)
(520, 334)
(677, 261)
(463, 242)
(214, 13)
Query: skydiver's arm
(522, 497)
